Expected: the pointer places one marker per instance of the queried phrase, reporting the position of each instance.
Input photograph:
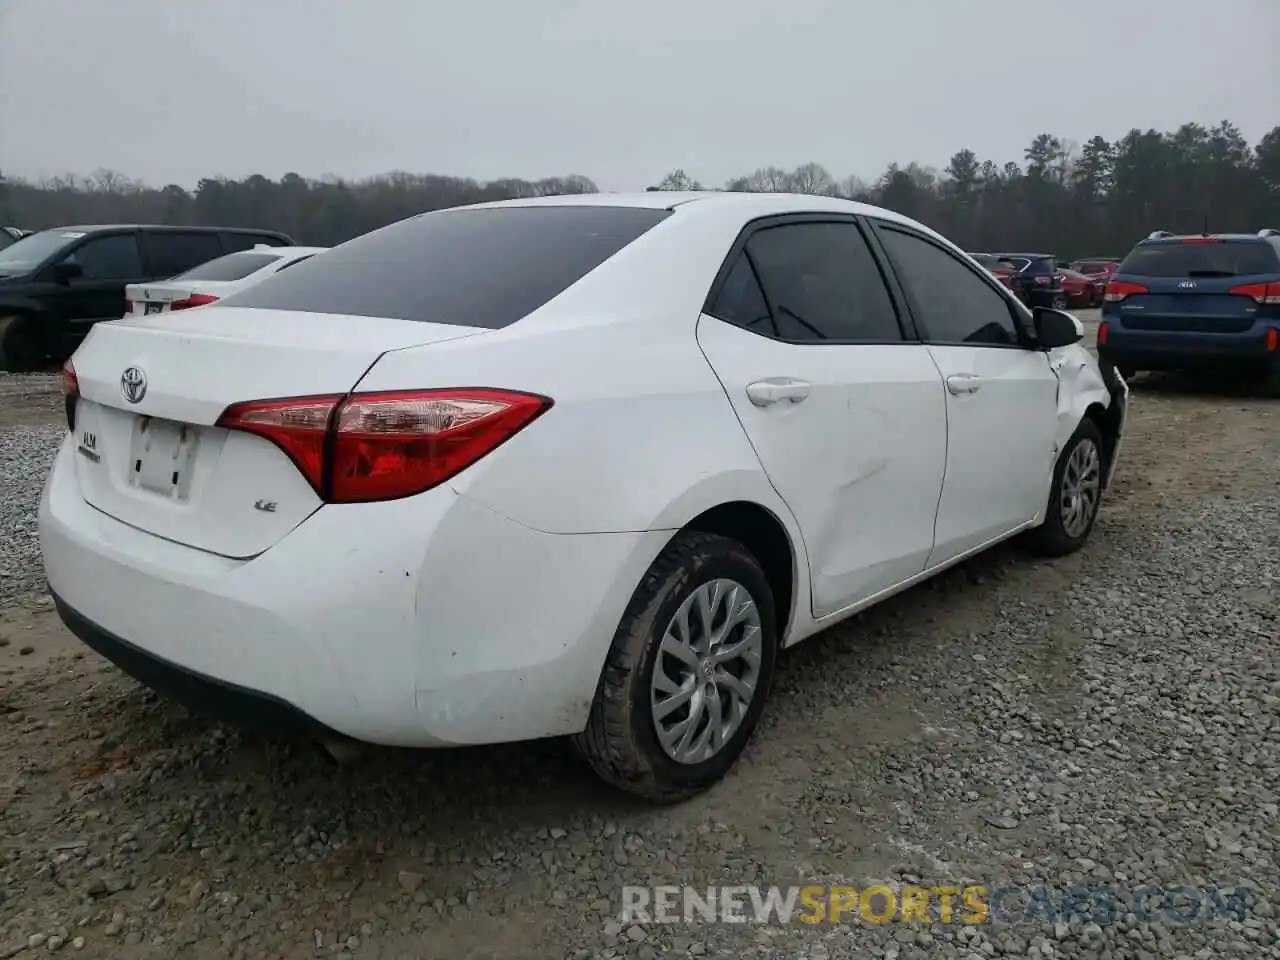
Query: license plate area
(162, 456)
(152, 308)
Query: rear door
(1001, 394)
(1188, 284)
(172, 252)
(843, 405)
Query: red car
(1081, 289)
(1001, 270)
(1096, 267)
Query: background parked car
(1104, 267)
(56, 284)
(1035, 279)
(210, 282)
(11, 235)
(1082, 290)
(1001, 271)
(1197, 303)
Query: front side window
(113, 257)
(955, 304)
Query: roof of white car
(746, 205)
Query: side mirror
(1057, 328)
(63, 272)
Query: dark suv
(1035, 279)
(1194, 303)
(56, 284)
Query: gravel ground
(1108, 721)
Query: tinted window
(479, 268)
(31, 251)
(234, 266)
(6, 240)
(173, 253)
(823, 283)
(954, 303)
(247, 241)
(741, 301)
(113, 257)
(1220, 259)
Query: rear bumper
(427, 621)
(208, 696)
(1173, 350)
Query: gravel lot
(1109, 720)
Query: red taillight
(70, 384)
(1273, 340)
(1262, 292)
(128, 307)
(195, 300)
(380, 446)
(1102, 334)
(1117, 290)
(1042, 279)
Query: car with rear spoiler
(55, 285)
(1198, 302)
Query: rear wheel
(687, 676)
(1075, 496)
(1059, 301)
(19, 351)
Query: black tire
(1059, 301)
(1127, 372)
(19, 351)
(1052, 538)
(620, 742)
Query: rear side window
(173, 252)
(822, 282)
(475, 268)
(1216, 259)
(234, 266)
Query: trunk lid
(1199, 304)
(149, 454)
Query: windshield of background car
(234, 266)
(1219, 258)
(985, 260)
(29, 252)
(1016, 264)
(475, 268)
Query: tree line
(1096, 198)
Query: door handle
(964, 383)
(764, 393)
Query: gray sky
(172, 90)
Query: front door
(844, 411)
(108, 263)
(1001, 394)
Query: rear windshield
(985, 260)
(1091, 266)
(1227, 258)
(234, 266)
(475, 268)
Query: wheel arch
(767, 537)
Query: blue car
(1196, 303)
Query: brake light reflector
(1102, 334)
(381, 446)
(194, 300)
(1118, 290)
(70, 385)
(1261, 292)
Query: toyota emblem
(133, 384)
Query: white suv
(563, 466)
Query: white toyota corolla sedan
(562, 466)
